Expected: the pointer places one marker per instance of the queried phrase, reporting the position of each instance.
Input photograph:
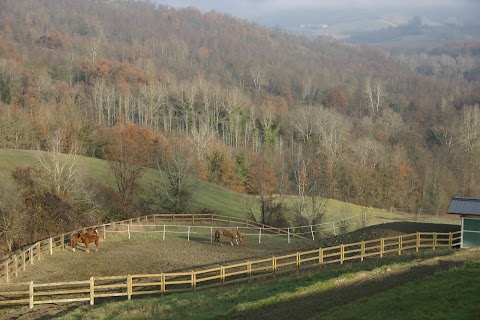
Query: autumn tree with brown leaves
(130, 153)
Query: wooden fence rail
(29, 293)
(20, 260)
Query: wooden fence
(27, 256)
(30, 293)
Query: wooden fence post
(222, 275)
(39, 250)
(382, 247)
(362, 251)
(50, 245)
(249, 269)
(30, 255)
(193, 218)
(23, 261)
(342, 253)
(298, 261)
(162, 283)
(15, 266)
(30, 295)
(450, 240)
(194, 281)
(434, 240)
(417, 245)
(104, 230)
(5, 266)
(129, 287)
(92, 291)
(274, 265)
(320, 256)
(62, 241)
(400, 244)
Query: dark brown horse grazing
(77, 237)
(232, 233)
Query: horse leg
(86, 247)
(96, 244)
(73, 244)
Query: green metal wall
(471, 233)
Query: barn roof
(464, 205)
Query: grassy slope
(213, 197)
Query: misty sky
(258, 9)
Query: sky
(249, 7)
(253, 8)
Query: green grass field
(424, 290)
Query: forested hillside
(213, 96)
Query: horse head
(240, 237)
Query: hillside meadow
(211, 197)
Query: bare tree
(307, 171)
(304, 121)
(11, 219)
(153, 100)
(60, 171)
(201, 137)
(334, 130)
(375, 94)
(257, 75)
(11, 226)
(179, 183)
(470, 133)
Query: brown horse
(77, 237)
(232, 233)
(239, 237)
(90, 238)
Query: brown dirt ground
(137, 256)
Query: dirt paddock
(150, 254)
